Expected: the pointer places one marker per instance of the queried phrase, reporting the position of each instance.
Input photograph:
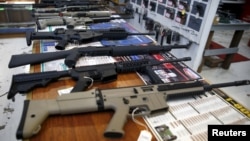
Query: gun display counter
(92, 125)
(92, 122)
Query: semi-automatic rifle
(91, 14)
(71, 22)
(84, 75)
(71, 56)
(68, 8)
(67, 1)
(62, 3)
(149, 99)
(80, 36)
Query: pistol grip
(28, 37)
(72, 58)
(61, 44)
(115, 127)
(82, 85)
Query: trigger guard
(142, 110)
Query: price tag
(145, 136)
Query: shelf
(233, 1)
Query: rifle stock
(149, 99)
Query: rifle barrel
(228, 84)
(149, 33)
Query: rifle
(149, 99)
(90, 14)
(68, 8)
(65, 36)
(62, 3)
(84, 75)
(71, 56)
(71, 22)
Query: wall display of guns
(80, 36)
(71, 22)
(69, 8)
(71, 56)
(125, 101)
(84, 75)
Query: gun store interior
(123, 69)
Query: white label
(145, 136)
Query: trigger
(37, 130)
(89, 81)
(141, 110)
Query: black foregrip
(28, 37)
(82, 85)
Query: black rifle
(78, 14)
(71, 56)
(67, 1)
(62, 3)
(71, 22)
(68, 8)
(79, 36)
(84, 75)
